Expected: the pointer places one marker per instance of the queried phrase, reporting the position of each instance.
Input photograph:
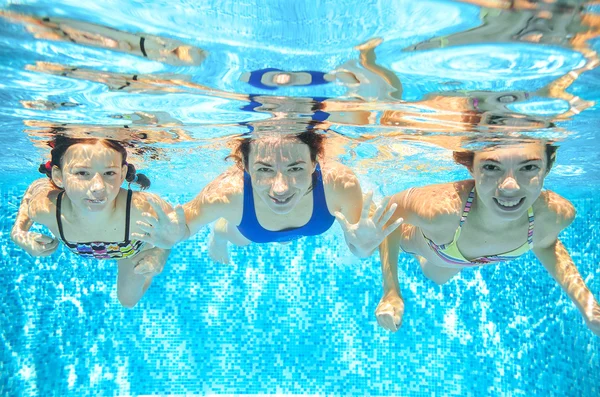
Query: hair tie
(48, 165)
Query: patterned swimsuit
(102, 250)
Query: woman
(84, 205)
(497, 216)
(278, 192)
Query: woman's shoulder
(338, 176)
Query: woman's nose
(280, 185)
(509, 184)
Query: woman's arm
(34, 201)
(390, 310)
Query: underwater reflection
(497, 216)
(154, 48)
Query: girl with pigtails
(83, 204)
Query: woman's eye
(490, 167)
(263, 169)
(530, 167)
(295, 169)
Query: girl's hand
(36, 244)
(150, 262)
(164, 230)
(366, 235)
(389, 312)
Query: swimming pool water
(295, 319)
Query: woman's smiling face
(281, 172)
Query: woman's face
(281, 172)
(509, 179)
(91, 175)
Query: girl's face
(509, 179)
(91, 174)
(281, 172)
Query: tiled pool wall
(292, 319)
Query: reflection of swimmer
(271, 79)
(365, 79)
(84, 205)
(497, 216)
(160, 49)
(278, 192)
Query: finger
(43, 239)
(387, 321)
(148, 218)
(342, 220)
(146, 227)
(391, 227)
(145, 237)
(367, 205)
(180, 213)
(377, 216)
(160, 212)
(388, 214)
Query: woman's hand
(36, 244)
(389, 312)
(163, 230)
(366, 235)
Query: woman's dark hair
(311, 138)
(61, 143)
(466, 158)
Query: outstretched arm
(558, 262)
(36, 244)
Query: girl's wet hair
(314, 140)
(466, 158)
(61, 143)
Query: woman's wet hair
(61, 143)
(314, 140)
(465, 158)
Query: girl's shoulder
(41, 197)
(552, 211)
(436, 202)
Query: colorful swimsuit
(450, 253)
(102, 250)
(320, 221)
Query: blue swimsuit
(320, 221)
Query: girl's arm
(135, 274)
(556, 214)
(35, 198)
(390, 310)
(558, 262)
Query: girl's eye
(530, 167)
(110, 173)
(81, 173)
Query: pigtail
(139, 179)
(46, 169)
